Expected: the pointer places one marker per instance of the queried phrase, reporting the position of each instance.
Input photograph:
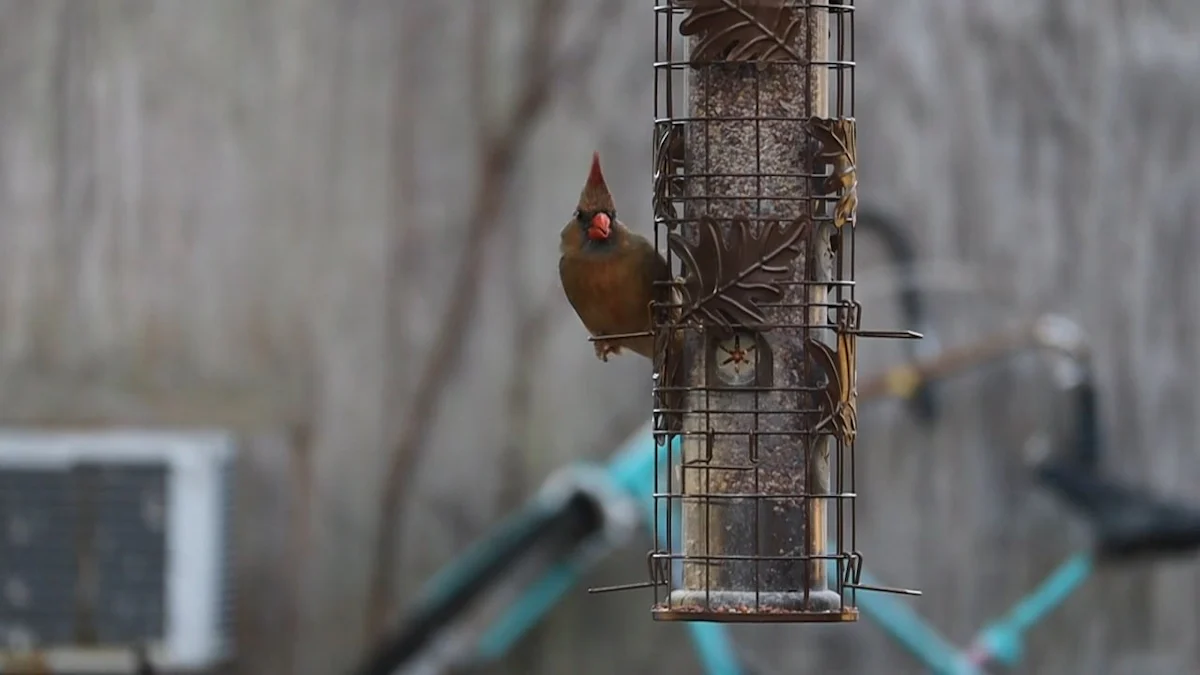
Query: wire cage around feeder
(755, 194)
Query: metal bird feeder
(755, 196)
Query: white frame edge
(195, 460)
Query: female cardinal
(609, 275)
(608, 272)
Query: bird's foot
(604, 348)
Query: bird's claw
(604, 348)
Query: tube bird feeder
(755, 199)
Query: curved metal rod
(470, 576)
(1063, 343)
(887, 228)
(1130, 523)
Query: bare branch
(480, 51)
(534, 324)
(500, 152)
(408, 239)
(519, 392)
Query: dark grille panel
(82, 553)
(37, 567)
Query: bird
(610, 276)
(608, 272)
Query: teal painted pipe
(1004, 640)
(907, 627)
(631, 470)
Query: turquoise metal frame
(629, 477)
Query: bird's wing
(576, 288)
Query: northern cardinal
(608, 274)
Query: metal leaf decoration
(841, 369)
(742, 30)
(668, 185)
(668, 355)
(838, 141)
(725, 283)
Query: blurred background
(331, 228)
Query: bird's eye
(582, 216)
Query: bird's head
(596, 212)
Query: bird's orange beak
(600, 227)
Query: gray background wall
(233, 213)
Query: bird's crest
(595, 195)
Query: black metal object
(1129, 523)
(902, 254)
(573, 521)
(1085, 450)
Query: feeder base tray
(823, 606)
